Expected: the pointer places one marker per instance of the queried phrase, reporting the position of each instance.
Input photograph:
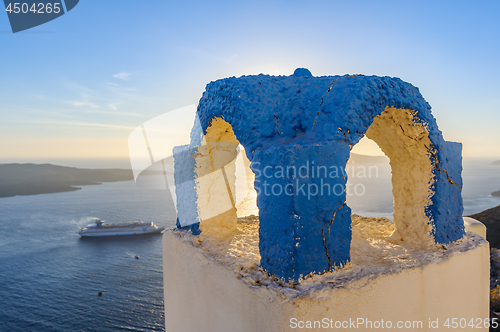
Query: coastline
(36, 179)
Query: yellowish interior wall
(406, 143)
(215, 170)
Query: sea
(50, 277)
(370, 187)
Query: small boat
(100, 228)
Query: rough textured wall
(307, 228)
(215, 185)
(286, 122)
(406, 143)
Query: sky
(77, 86)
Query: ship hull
(120, 232)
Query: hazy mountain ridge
(33, 179)
(365, 159)
(496, 193)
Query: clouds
(123, 76)
(85, 102)
(97, 97)
(114, 106)
(77, 124)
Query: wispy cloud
(107, 95)
(114, 107)
(59, 112)
(123, 76)
(99, 125)
(112, 84)
(81, 103)
(78, 88)
(114, 113)
(84, 102)
(79, 124)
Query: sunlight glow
(367, 147)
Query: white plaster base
(475, 226)
(203, 295)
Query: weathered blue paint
(445, 213)
(288, 121)
(302, 230)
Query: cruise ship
(100, 228)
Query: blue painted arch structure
(285, 122)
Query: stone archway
(406, 143)
(213, 164)
(300, 122)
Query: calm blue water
(50, 277)
(479, 177)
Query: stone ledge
(215, 288)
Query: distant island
(365, 159)
(491, 219)
(496, 193)
(33, 179)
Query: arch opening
(405, 141)
(224, 186)
(369, 186)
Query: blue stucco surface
(446, 209)
(302, 231)
(288, 121)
